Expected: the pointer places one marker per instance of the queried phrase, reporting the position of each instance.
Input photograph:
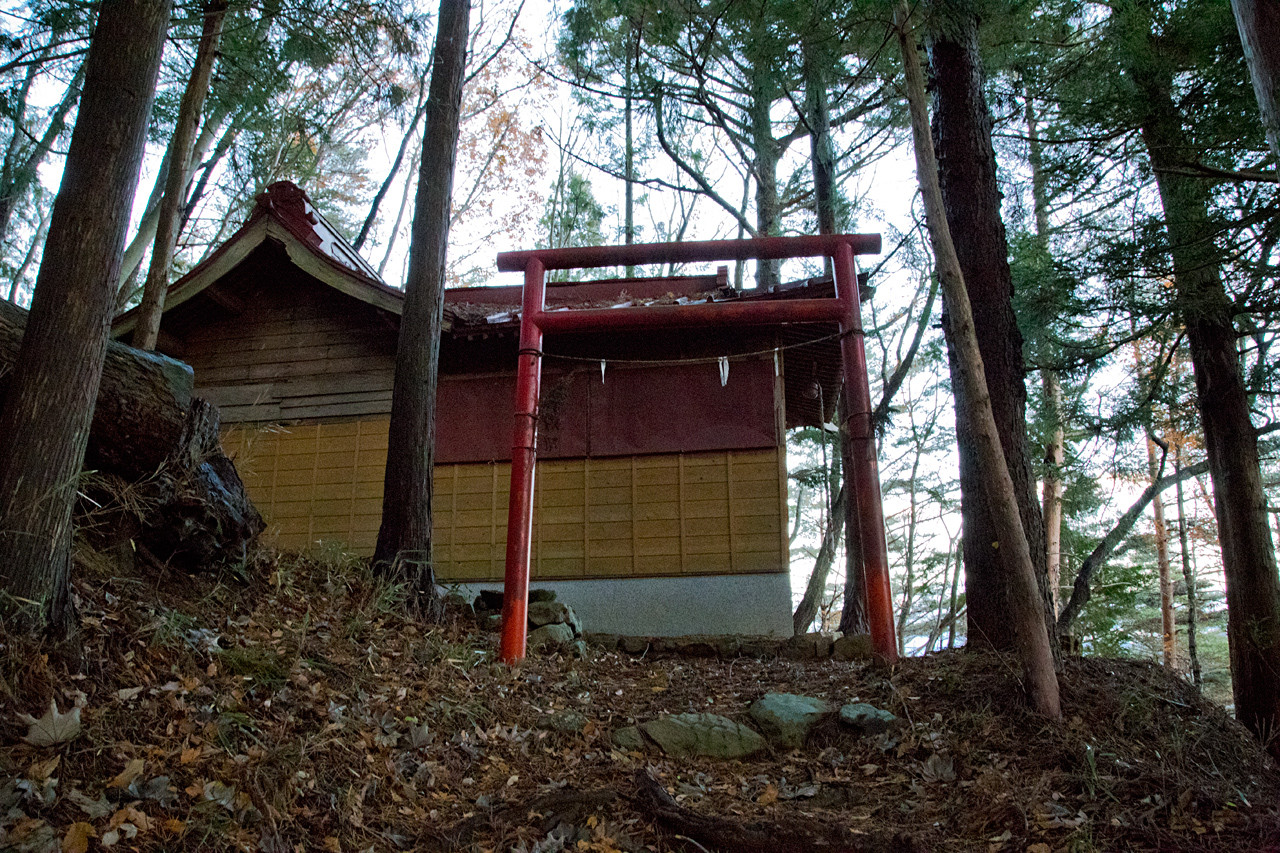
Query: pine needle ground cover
(303, 710)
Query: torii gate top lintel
(842, 309)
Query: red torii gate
(843, 309)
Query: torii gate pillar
(843, 309)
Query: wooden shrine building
(661, 505)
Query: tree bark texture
(44, 423)
(1025, 613)
(404, 538)
(967, 173)
(853, 615)
(766, 150)
(821, 151)
(1259, 24)
(1248, 559)
(175, 183)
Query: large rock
(787, 718)
(628, 739)
(553, 613)
(710, 735)
(550, 637)
(867, 719)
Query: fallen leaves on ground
(309, 712)
(52, 728)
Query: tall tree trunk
(909, 579)
(1188, 575)
(814, 591)
(853, 615)
(404, 538)
(207, 169)
(175, 184)
(1259, 24)
(821, 150)
(1167, 629)
(955, 589)
(46, 414)
(765, 148)
(967, 172)
(1055, 456)
(1248, 559)
(1051, 387)
(1024, 611)
(629, 151)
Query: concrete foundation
(673, 607)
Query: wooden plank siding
(302, 352)
(719, 512)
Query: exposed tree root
(729, 836)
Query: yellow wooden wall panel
(662, 528)
(617, 513)
(700, 513)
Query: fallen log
(154, 441)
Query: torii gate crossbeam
(843, 309)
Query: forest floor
(302, 710)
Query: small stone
(603, 641)
(710, 735)
(697, 647)
(758, 647)
(629, 739)
(787, 718)
(566, 722)
(634, 645)
(540, 595)
(814, 646)
(554, 613)
(867, 719)
(853, 647)
(578, 649)
(549, 637)
(727, 646)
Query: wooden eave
(263, 227)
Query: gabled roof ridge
(290, 205)
(284, 213)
